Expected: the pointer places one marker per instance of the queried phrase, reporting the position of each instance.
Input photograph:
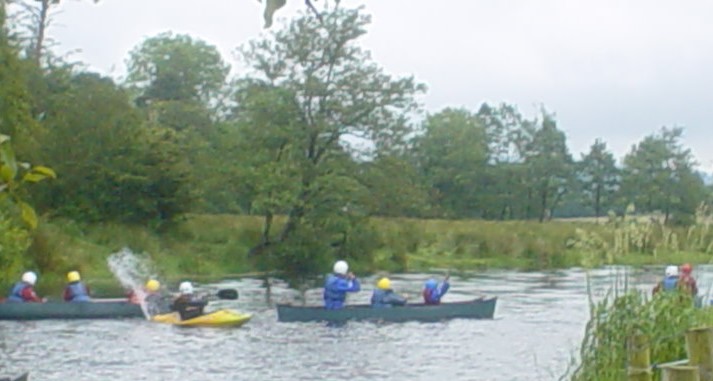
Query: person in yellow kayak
(76, 290)
(384, 296)
(187, 304)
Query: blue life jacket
(433, 295)
(386, 298)
(670, 283)
(335, 291)
(78, 292)
(16, 292)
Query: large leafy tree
(599, 177)
(117, 167)
(453, 154)
(312, 89)
(550, 167)
(658, 175)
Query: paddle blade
(228, 294)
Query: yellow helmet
(153, 285)
(73, 276)
(384, 284)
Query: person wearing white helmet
(24, 290)
(187, 304)
(669, 282)
(338, 284)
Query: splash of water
(132, 270)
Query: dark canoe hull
(62, 310)
(476, 309)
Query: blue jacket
(386, 298)
(669, 283)
(433, 295)
(16, 292)
(76, 292)
(335, 290)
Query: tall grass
(621, 313)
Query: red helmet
(686, 268)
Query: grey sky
(614, 69)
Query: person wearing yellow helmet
(384, 295)
(76, 290)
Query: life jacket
(431, 296)
(16, 292)
(78, 292)
(333, 298)
(669, 283)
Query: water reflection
(539, 321)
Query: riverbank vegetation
(314, 152)
(623, 313)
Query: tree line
(314, 133)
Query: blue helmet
(431, 284)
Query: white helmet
(671, 271)
(341, 267)
(185, 288)
(29, 277)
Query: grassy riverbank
(217, 245)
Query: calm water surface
(539, 322)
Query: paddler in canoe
(384, 295)
(76, 290)
(24, 290)
(338, 284)
(434, 291)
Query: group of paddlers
(186, 303)
(678, 280)
(341, 281)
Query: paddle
(228, 294)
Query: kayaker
(156, 302)
(24, 290)
(670, 282)
(687, 281)
(433, 292)
(76, 290)
(188, 305)
(384, 295)
(338, 284)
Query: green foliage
(310, 87)
(599, 177)
(617, 316)
(171, 67)
(14, 241)
(118, 167)
(658, 176)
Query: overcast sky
(612, 69)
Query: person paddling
(433, 291)
(76, 290)
(188, 305)
(338, 284)
(688, 282)
(670, 282)
(384, 295)
(24, 290)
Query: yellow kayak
(220, 318)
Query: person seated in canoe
(338, 284)
(384, 296)
(188, 305)
(24, 290)
(156, 302)
(433, 292)
(670, 281)
(76, 290)
(687, 281)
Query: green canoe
(474, 309)
(109, 309)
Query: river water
(539, 322)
